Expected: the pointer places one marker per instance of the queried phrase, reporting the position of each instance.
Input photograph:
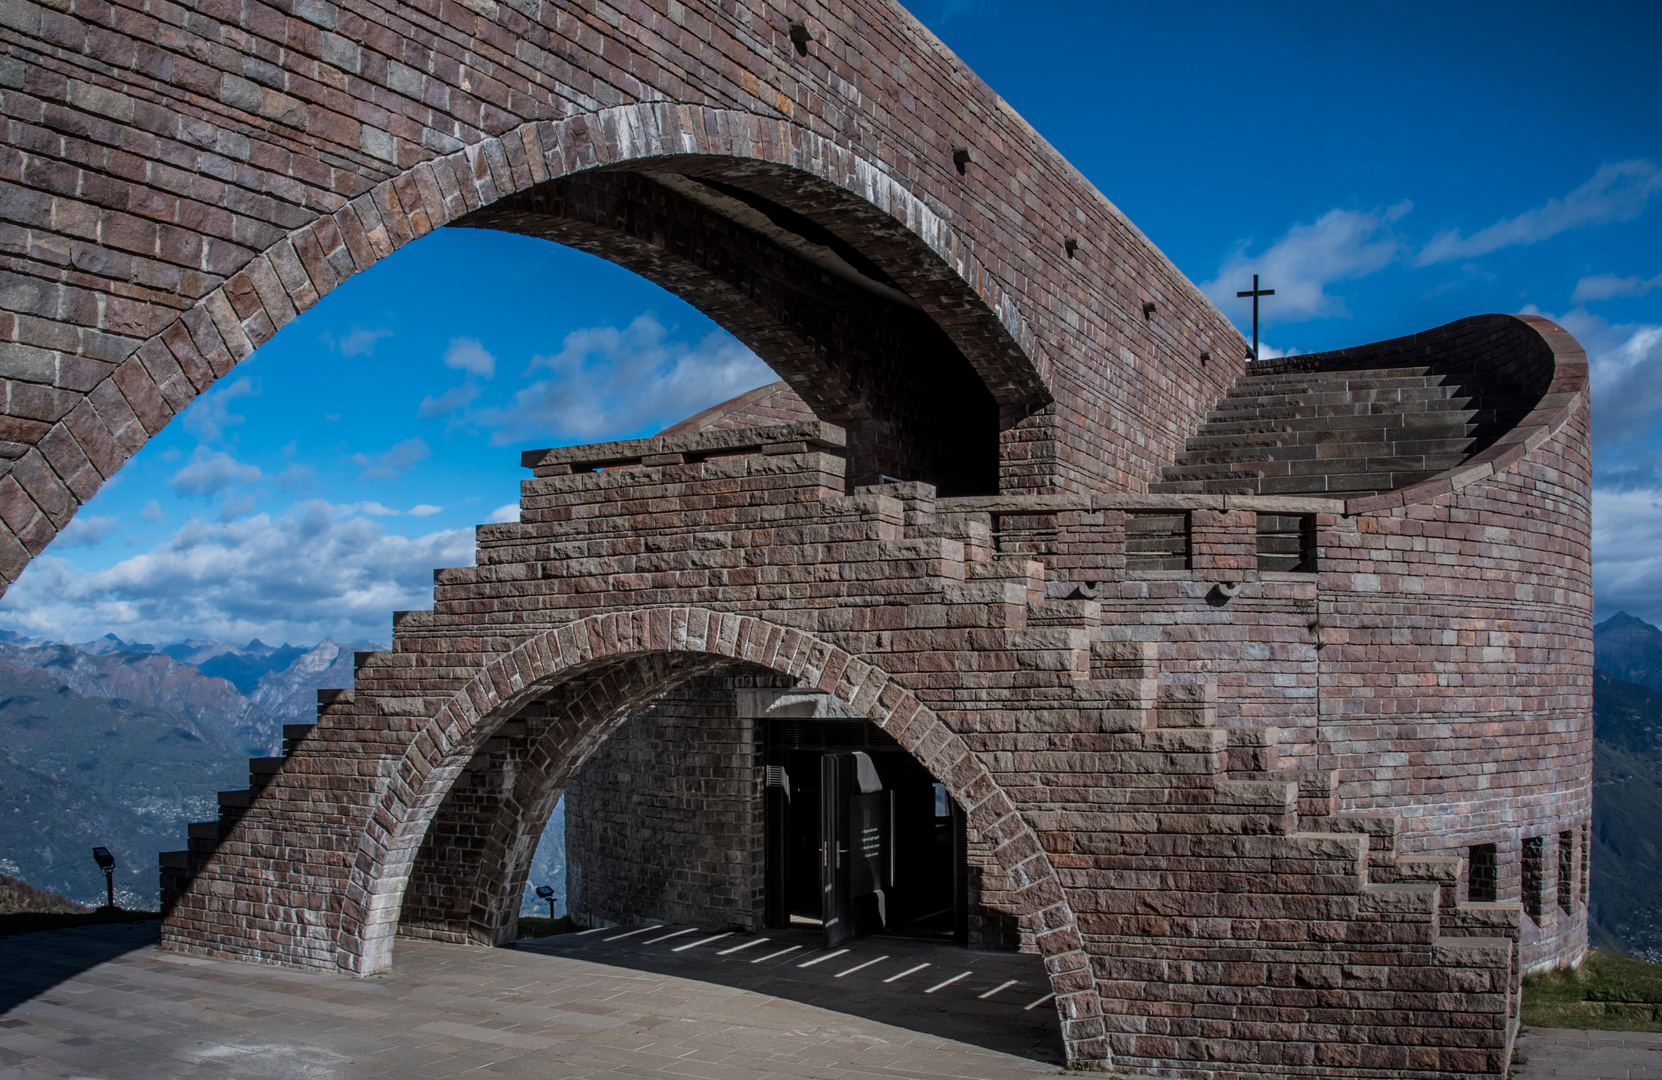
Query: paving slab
(104, 1003)
(1589, 1055)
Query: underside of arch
(841, 326)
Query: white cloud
(361, 342)
(152, 512)
(394, 463)
(1617, 192)
(1625, 369)
(1609, 286)
(452, 400)
(607, 382)
(316, 570)
(212, 471)
(372, 508)
(466, 354)
(505, 512)
(1627, 568)
(86, 530)
(209, 415)
(297, 476)
(1266, 351)
(1339, 245)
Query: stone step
(177, 861)
(294, 735)
(261, 770)
(1341, 432)
(1122, 660)
(1351, 486)
(1187, 705)
(1260, 411)
(1390, 429)
(1258, 440)
(1068, 613)
(1381, 829)
(208, 830)
(1311, 467)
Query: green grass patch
(1608, 992)
(24, 922)
(531, 926)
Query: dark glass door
(857, 849)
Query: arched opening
(812, 283)
(725, 796)
(446, 855)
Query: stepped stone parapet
(1233, 672)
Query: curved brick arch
(165, 373)
(176, 178)
(437, 755)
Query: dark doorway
(860, 838)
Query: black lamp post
(546, 892)
(106, 863)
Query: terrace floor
(103, 1002)
(643, 1003)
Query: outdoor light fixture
(961, 157)
(1072, 245)
(1204, 357)
(106, 863)
(1148, 308)
(546, 892)
(800, 36)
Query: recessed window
(1566, 871)
(1534, 875)
(1482, 874)
(1287, 542)
(1156, 540)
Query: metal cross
(1255, 294)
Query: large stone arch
(602, 647)
(933, 262)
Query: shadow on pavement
(33, 963)
(997, 1001)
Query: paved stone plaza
(103, 1002)
(1591, 1055)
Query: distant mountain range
(1630, 649)
(1626, 888)
(122, 744)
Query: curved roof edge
(1562, 380)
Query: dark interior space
(860, 847)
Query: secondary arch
(617, 662)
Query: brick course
(1228, 803)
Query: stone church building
(1026, 611)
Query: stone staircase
(180, 868)
(1345, 432)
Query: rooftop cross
(1255, 294)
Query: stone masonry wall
(178, 183)
(665, 821)
(1184, 882)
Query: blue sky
(1386, 168)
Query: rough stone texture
(1225, 798)
(1231, 803)
(665, 820)
(177, 184)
